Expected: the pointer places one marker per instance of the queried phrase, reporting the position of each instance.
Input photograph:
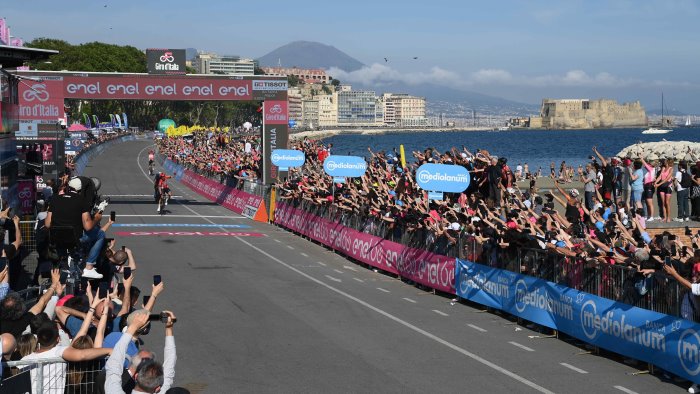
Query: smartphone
(113, 216)
(127, 272)
(156, 280)
(123, 248)
(674, 249)
(120, 288)
(684, 251)
(104, 289)
(146, 299)
(611, 254)
(3, 263)
(63, 278)
(667, 260)
(687, 231)
(671, 237)
(154, 317)
(83, 284)
(109, 240)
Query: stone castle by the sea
(588, 114)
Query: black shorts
(150, 162)
(649, 191)
(665, 188)
(166, 190)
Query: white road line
(304, 254)
(571, 367)
(290, 247)
(277, 240)
(321, 263)
(183, 216)
(516, 344)
(409, 300)
(359, 280)
(383, 290)
(347, 267)
(338, 271)
(441, 313)
(477, 328)
(404, 323)
(333, 279)
(625, 390)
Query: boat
(688, 123)
(661, 129)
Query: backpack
(686, 180)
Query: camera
(162, 317)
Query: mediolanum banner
(166, 61)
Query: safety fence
(53, 376)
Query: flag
(119, 120)
(126, 122)
(96, 120)
(111, 120)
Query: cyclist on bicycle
(151, 158)
(162, 190)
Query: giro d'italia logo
(689, 351)
(36, 92)
(167, 57)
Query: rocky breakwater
(678, 150)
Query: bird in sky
(415, 58)
(386, 60)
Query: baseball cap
(75, 184)
(573, 193)
(454, 226)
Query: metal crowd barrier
(53, 376)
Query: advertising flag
(119, 120)
(126, 121)
(96, 120)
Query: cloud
(380, 75)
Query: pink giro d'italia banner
(228, 197)
(429, 269)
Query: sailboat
(688, 123)
(661, 129)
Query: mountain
(308, 54)
(667, 111)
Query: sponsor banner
(41, 99)
(28, 129)
(346, 166)
(437, 196)
(270, 85)
(443, 178)
(226, 196)
(26, 191)
(287, 158)
(126, 121)
(274, 137)
(668, 342)
(156, 88)
(166, 61)
(429, 269)
(184, 233)
(275, 112)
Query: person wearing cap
(71, 209)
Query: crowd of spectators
(216, 155)
(89, 308)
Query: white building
(403, 110)
(211, 63)
(327, 110)
(294, 104)
(310, 113)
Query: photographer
(150, 376)
(71, 209)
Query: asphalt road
(268, 311)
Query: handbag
(695, 191)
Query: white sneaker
(686, 219)
(678, 219)
(91, 274)
(694, 389)
(158, 209)
(650, 219)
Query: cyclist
(151, 158)
(162, 190)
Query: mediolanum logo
(689, 351)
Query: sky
(516, 49)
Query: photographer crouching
(74, 209)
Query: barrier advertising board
(347, 166)
(669, 342)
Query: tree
(326, 89)
(91, 56)
(293, 80)
(335, 82)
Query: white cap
(454, 226)
(464, 155)
(527, 203)
(510, 190)
(75, 184)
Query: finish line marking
(179, 225)
(181, 216)
(184, 233)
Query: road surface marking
(359, 280)
(384, 290)
(516, 344)
(277, 240)
(338, 271)
(477, 328)
(333, 279)
(321, 263)
(347, 267)
(404, 323)
(571, 367)
(304, 254)
(625, 390)
(440, 312)
(290, 247)
(409, 300)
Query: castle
(588, 114)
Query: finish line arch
(42, 95)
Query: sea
(537, 148)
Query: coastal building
(357, 108)
(294, 106)
(307, 75)
(327, 110)
(309, 113)
(403, 110)
(588, 114)
(211, 63)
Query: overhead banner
(41, 100)
(166, 61)
(668, 342)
